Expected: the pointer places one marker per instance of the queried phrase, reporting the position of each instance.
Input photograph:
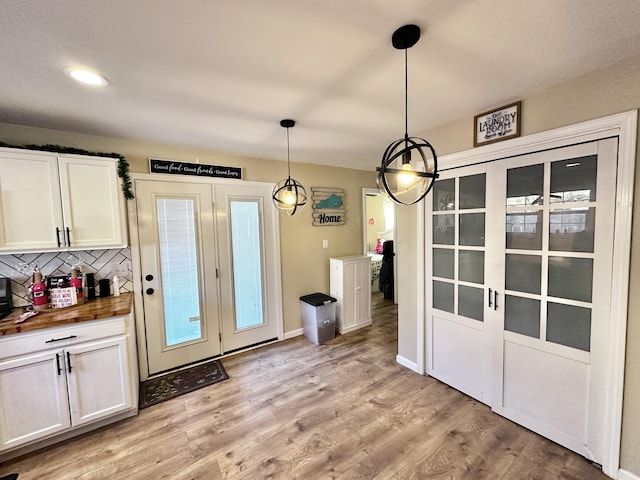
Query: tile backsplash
(19, 268)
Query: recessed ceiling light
(86, 76)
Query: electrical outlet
(120, 269)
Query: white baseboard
(293, 334)
(624, 475)
(408, 363)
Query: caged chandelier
(409, 165)
(289, 196)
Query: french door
(209, 261)
(519, 266)
(178, 267)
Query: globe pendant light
(409, 165)
(289, 196)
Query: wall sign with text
(173, 167)
(497, 125)
(328, 206)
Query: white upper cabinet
(52, 202)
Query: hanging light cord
(288, 158)
(406, 95)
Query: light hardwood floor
(294, 410)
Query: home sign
(328, 206)
(496, 125)
(173, 167)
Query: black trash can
(318, 317)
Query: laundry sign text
(496, 125)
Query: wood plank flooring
(294, 410)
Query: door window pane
(472, 191)
(247, 263)
(524, 185)
(571, 278)
(443, 296)
(569, 325)
(574, 180)
(443, 262)
(522, 315)
(179, 272)
(523, 273)
(472, 229)
(471, 302)
(572, 230)
(471, 266)
(444, 195)
(443, 229)
(524, 230)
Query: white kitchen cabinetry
(56, 380)
(52, 202)
(350, 280)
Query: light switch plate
(325, 243)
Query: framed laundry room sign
(174, 167)
(497, 125)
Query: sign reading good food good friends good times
(173, 167)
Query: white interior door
(536, 347)
(249, 256)
(178, 262)
(458, 353)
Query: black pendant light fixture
(289, 196)
(409, 165)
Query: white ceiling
(221, 74)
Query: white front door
(520, 319)
(249, 255)
(178, 266)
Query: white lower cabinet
(350, 284)
(87, 378)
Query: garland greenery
(123, 165)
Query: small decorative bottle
(38, 291)
(76, 283)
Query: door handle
(58, 237)
(68, 237)
(150, 291)
(489, 298)
(60, 339)
(58, 364)
(495, 300)
(69, 361)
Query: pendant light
(409, 165)
(289, 196)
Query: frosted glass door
(178, 261)
(558, 212)
(249, 253)
(456, 272)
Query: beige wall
(305, 264)
(595, 95)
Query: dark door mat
(180, 382)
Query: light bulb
(289, 197)
(407, 176)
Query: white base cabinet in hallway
(350, 280)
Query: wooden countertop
(55, 317)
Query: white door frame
(135, 259)
(623, 126)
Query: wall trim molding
(405, 362)
(625, 475)
(293, 333)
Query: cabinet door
(33, 398)
(30, 209)
(99, 379)
(93, 207)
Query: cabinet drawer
(22, 343)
